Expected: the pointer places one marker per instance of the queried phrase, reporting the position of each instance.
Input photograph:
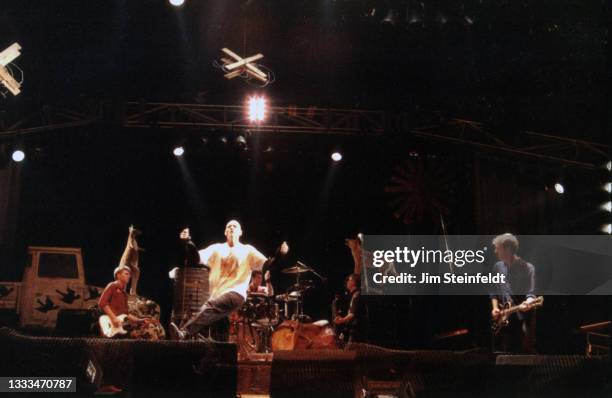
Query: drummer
(255, 285)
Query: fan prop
(417, 192)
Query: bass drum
(294, 335)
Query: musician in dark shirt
(518, 289)
(351, 321)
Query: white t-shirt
(230, 267)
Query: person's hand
(185, 234)
(284, 248)
(524, 307)
(267, 276)
(495, 313)
(116, 322)
(338, 320)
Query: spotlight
(257, 109)
(178, 151)
(468, 20)
(390, 18)
(559, 188)
(336, 156)
(176, 3)
(240, 140)
(607, 207)
(608, 187)
(18, 155)
(609, 165)
(607, 229)
(223, 139)
(414, 20)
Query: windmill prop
(417, 191)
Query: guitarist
(349, 324)
(114, 300)
(518, 289)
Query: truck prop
(54, 282)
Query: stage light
(178, 151)
(468, 20)
(559, 188)
(390, 18)
(257, 109)
(240, 140)
(607, 228)
(176, 3)
(414, 20)
(336, 156)
(609, 165)
(607, 207)
(608, 187)
(18, 155)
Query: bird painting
(47, 306)
(5, 291)
(69, 296)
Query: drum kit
(268, 323)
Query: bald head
(233, 231)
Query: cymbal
(297, 269)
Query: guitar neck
(512, 310)
(517, 308)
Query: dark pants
(519, 336)
(214, 310)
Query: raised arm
(355, 246)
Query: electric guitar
(107, 329)
(503, 320)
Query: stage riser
(144, 368)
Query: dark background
(514, 65)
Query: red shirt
(115, 296)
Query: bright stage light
(608, 187)
(18, 156)
(336, 156)
(607, 207)
(559, 188)
(178, 151)
(257, 109)
(176, 3)
(609, 165)
(607, 228)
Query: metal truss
(48, 119)
(290, 119)
(548, 147)
(313, 120)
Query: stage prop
(6, 76)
